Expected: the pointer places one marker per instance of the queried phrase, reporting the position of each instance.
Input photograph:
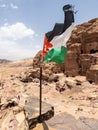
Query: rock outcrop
(66, 121)
(82, 58)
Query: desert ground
(78, 101)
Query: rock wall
(82, 58)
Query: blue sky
(23, 23)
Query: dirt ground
(79, 101)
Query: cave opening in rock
(93, 51)
(81, 51)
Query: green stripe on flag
(56, 55)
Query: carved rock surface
(83, 51)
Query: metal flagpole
(40, 94)
(40, 91)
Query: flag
(54, 48)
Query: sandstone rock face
(12, 121)
(73, 69)
(92, 74)
(82, 58)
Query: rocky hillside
(82, 57)
(4, 61)
(75, 100)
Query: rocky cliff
(82, 57)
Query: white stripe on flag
(61, 40)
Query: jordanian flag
(54, 48)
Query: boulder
(12, 121)
(65, 121)
(92, 74)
